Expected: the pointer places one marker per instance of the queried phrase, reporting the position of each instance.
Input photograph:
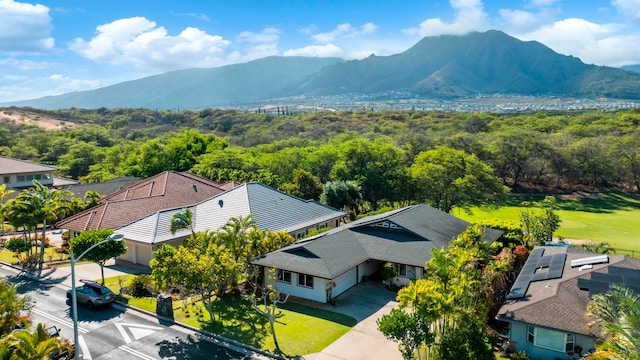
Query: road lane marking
(137, 330)
(86, 355)
(59, 320)
(136, 353)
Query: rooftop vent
(590, 260)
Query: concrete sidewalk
(89, 271)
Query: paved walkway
(366, 302)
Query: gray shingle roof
(272, 210)
(15, 166)
(403, 236)
(559, 303)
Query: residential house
(169, 189)
(19, 174)
(546, 306)
(271, 210)
(103, 188)
(330, 263)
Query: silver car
(92, 294)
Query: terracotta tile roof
(15, 166)
(165, 190)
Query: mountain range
(441, 67)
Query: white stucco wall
(344, 282)
(317, 293)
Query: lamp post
(74, 301)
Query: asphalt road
(112, 333)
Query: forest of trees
(391, 156)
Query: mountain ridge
(440, 67)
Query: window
(569, 344)
(305, 280)
(6, 179)
(37, 176)
(29, 177)
(20, 178)
(284, 276)
(46, 176)
(550, 339)
(406, 271)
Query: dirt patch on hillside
(28, 118)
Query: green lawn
(50, 254)
(609, 217)
(235, 319)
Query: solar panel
(625, 272)
(583, 283)
(519, 288)
(536, 253)
(606, 277)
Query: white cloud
(24, 28)
(600, 44)
(542, 3)
(23, 87)
(469, 16)
(197, 16)
(267, 35)
(344, 30)
(309, 29)
(327, 50)
(140, 42)
(628, 8)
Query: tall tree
(446, 178)
(4, 192)
(46, 205)
(102, 253)
(539, 226)
(617, 312)
(345, 195)
(378, 167)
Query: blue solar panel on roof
(625, 272)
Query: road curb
(215, 338)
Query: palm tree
(235, 234)
(4, 192)
(618, 313)
(91, 199)
(46, 204)
(36, 345)
(11, 307)
(182, 220)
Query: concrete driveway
(366, 302)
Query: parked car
(92, 294)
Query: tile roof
(559, 303)
(272, 210)
(403, 236)
(15, 166)
(165, 190)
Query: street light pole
(74, 300)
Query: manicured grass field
(235, 319)
(612, 217)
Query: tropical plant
(33, 345)
(100, 254)
(45, 205)
(617, 313)
(4, 192)
(182, 220)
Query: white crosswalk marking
(136, 353)
(138, 331)
(59, 320)
(86, 355)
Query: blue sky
(54, 47)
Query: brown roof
(559, 303)
(165, 190)
(15, 166)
